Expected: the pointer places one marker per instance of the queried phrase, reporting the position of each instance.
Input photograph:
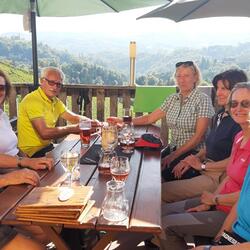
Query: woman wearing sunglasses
(205, 215)
(187, 113)
(212, 160)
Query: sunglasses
(243, 104)
(187, 63)
(53, 83)
(2, 87)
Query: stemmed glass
(127, 138)
(120, 168)
(70, 160)
(127, 115)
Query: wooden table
(143, 190)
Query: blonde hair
(193, 66)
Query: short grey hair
(46, 70)
(241, 85)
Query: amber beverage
(127, 119)
(122, 176)
(85, 136)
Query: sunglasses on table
(53, 83)
(2, 87)
(187, 63)
(243, 104)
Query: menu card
(43, 205)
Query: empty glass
(115, 205)
(106, 161)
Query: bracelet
(207, 247)
(19, 160)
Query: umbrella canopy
(63, 8)
(182, 10)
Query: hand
(38, 163)
(198, 248)
(22, 176)
(193, 161)
(207, 198)
(95, 123)
(165, 162)
(180, 169)
(114, 120)
(200, 208)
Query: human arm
(241, 246)
(141, 120)
(228, 223)
(200, 130)
(195, 163)
(19, 177)
(8, 161)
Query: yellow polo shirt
(36, 105)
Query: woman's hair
(230, 78)
(241, 85)
(193, 66)
(45, 72)
(7, 83)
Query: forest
(152, 68)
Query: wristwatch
(203, 167)
(19, 159)
(207, 247)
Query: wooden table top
(142, 189)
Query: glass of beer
(85, 127)
(109, 139)
(120, 168)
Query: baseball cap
(149, 141)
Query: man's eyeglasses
(187, 63)
(243, 104)
(2, 87)
(53, 83)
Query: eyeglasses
(244, 104)
(187, 63)
(53, 83)
(2, 87)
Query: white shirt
(8, 139)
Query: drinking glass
(127, 115)
(85, 127)
(127, 138)
(120, 168)
(109, 139)
(105, 162)
(69, 160)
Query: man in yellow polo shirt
(38, 114)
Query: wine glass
(120, 168)
(127, 138)
(106, 160)
(127, 115)
(70, 160)
(109, 139)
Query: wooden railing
(94, 101)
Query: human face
(51, 84)
(185, 79)
(222, 93)
(241, 114)
(2, 90)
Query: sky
(125, 23)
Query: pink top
(236, 169)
